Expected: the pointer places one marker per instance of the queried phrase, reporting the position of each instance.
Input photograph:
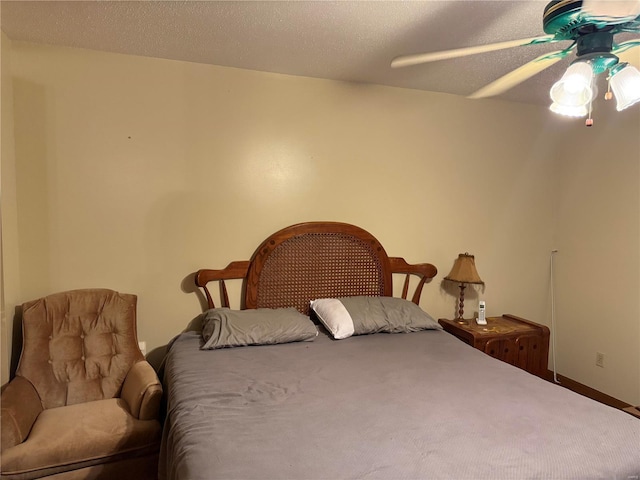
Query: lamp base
(461, 302)
(462, 321)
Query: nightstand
(511, 339)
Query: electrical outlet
(600, 359)
(142, 345)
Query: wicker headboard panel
(315, 260)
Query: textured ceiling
(344, 40)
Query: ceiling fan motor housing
(562, 18)
(565, 20)
(596, 48)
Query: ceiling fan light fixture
(591, 26)
(574, 88)
(569, 111)
(625, 84)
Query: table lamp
(464, 272)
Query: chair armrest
(21, 405)
(142, 391)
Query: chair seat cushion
(76, 436)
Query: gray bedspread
(419, 405)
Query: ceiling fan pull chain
(608, 95)
(589, 121)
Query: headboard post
(233, 271)
(424, 271)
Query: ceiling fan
(590, 25)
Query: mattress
(384, 406)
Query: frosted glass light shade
(569, 111)
(625, 85)
(574, 88)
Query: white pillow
(334, 316)
(361, 315)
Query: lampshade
(464, 270)
(625, 84)
(574, 88)
(580, 111)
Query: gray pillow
(348, 316)
(222, 327)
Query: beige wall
(598, 260)
(9, 258)
(134, 172)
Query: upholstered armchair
(84, 402)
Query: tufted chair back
(79, 345)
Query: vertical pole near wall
(5, 350)
(553, 319)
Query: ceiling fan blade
(408, 60)
(616, 11)
(630, 54)
(521, 74)
(624, 46)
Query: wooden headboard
(313, 260)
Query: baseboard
(588, 391)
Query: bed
(407, 400)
